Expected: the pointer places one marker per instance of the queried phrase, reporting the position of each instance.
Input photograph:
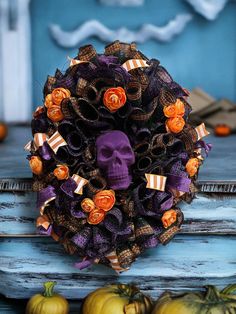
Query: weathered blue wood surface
(188, 262)
(220, 165)
(204, 252)
(204, 215)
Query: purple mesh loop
(125, 111)
(162, 201)
(78, 213)
(45, 151)
(62, 154)
(39, 124)
(75, 140)
(44, 195)
(68, 82)
(175, 148)
(82, 238)
(68, 187)
(43, 231)
(142, 134)
(100, 236)
(206, 146)
(149, 242)
(177, 182)
(66, 127)
(84, 263)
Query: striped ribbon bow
(155, 181)
(56, 141)
(112, 257)
(75, 61)
(201, 131)
(81, 182)
(39, 139)
(134, 64)
(128, 65)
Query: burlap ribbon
(170, 232)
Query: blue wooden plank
(17, 213)
(203, 215)
(221, 162)
(188, 262)
(13, 163)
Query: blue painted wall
(203, 55)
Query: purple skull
(114, 157)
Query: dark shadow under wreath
(112, 155)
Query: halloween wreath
(112, 155)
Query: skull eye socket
(125, 150)
(106, 152)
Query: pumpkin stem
(229, 289)
(212, 294)
(48, 288)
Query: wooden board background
(220, 165)
(203, 253)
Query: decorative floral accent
(114, 98)
(102, 202)
(87, 205)
(175, 125)
(168, 218)
(174, 110)
(48, 101)
(55, 114)
(192, 166)
(61, 172)
(58, 94)
(96, 216)
(105, 200)
(36, 165)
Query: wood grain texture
(204, 215)
(188, 262)
(13, 163)
(220, 165)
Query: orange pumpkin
(222, 130)
(3, 131)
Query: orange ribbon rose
(87, 205)
(105, 199)
(114, 98)
(36, 165)
(96, 216)
(175, 125)
(58, 94)
(61, 172)
(55, 114)
(174, 110)
(48, 101)
(192, 166)
(168, 218)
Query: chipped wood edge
(223, 186)
(204, 186)
(16, 185)
(186, 230)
